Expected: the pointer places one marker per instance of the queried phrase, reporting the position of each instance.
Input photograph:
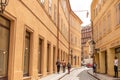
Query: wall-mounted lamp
(3, 4)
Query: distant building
(86, 36)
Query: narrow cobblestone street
(76, 74)
(59, 39)
(85, 76)
(82, 73)
(79, 74)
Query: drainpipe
(58, 30)
(69, 49)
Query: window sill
(27, 77)
(117, 26)
(39, 75)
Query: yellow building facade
(33, 35)
(106, 34)
(75, 40)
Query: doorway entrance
(104, 62)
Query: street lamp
(3, 4)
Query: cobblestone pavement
(65, 76)
(55, 76)
(106, 77)
(103, 76)
(85, 76)
(79, 74)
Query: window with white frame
(95, 13)
(27, 54)
(118, 13)
(55, 14)
(64, 5)
(104, 25)
(50, 7)
(71, 38)
(42, 1)
(109, 22)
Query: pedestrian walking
(58, 66)
(116, 67)
(69, 67)
(94, 67)
(63, 65)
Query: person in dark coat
(58, 66)
(63, 65)
(69, 67)
(94, 67)
(116, 67)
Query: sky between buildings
(80, 8)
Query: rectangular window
(64, 5)
(75, 40)
(61, 25)
(59, 17)
(95, 13)
(118, 14)
(99, 29)
(27, 54)
(50, 7)
(42, 1)
(104, 26)
(4, 47)
(48, 57)
(55, 14)
(109, 22)
(40, 56)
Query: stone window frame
(48, 57)
(55, 14)
(6, 27)
(42, 2)
(117, 12)
(40, 56)
(31, 31)
(50, 7)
